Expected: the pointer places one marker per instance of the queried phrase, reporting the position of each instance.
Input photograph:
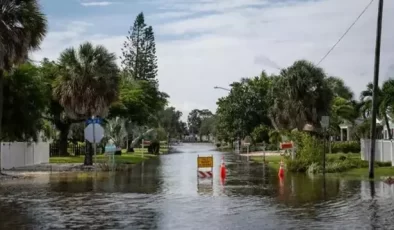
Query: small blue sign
(96, 120)
(110, 149)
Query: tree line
(266, 107)
(52, 99)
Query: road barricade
(205, 167)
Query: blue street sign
(96, 120)
(111, 149)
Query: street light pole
(375, 89)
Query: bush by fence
(346, 147)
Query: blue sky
(204, 43)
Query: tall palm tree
(22, 28)
(385, 102)
(301, 96)
(88, 83)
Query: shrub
(309, 151)
(309, 148)
(346, 147)
(297, 165)
(260, 133)
(218, 145)
(314, 168)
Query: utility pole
(375, 89)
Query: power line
(351, 26)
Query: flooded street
(163, 193)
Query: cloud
(96, 3)
(227, 40)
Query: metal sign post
(94, 142)
(94, 132)
(142, 144)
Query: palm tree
(22, 28)
(88, 83)
(301, 96)
(385, 102)
(115, 130)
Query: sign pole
(142, 148)
(324, 152)
(94, 141)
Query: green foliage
(138, 101)
(300, 96)
(275, 138)
(22, 29)
(115, 130)
(89, 81)
(346, 147)
(261, 134)
(139, 51)
(297, 165)
(24, 102)
(245, 108)
(169, 119)
(161, 134)
(309, 151)
(207, 125)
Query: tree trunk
(63, 140)
(89, 154)
(130, 148)
(388, 126)
(273, 122)
(1, 107)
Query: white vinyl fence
(384, 150)
(19, 154)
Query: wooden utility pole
(375, 89)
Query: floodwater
(164, 193)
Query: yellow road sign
(205, 162)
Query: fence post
(381, 150)
(391, 152)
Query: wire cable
(347, 31)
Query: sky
(206, 43)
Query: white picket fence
(384, 150)
(19, 154)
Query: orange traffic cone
(281, 170)
(223, 169)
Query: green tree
(139, 51)
(300, 96)
(275, 137)
(22, 28)
(385, 102)
(339, 88)
(88, 83)
(169, 120)
(245, 108)
(261, 134)
(25, 102)
(207, 126)
(50, 71)
(194, 121)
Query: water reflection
(164, 194)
